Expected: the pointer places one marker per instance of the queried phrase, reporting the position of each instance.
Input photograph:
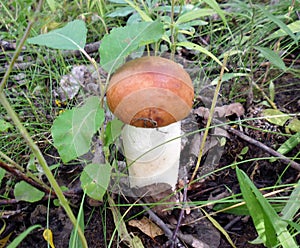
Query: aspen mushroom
(151, 95)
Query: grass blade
(214, 5)
(293, 204)
(201, 49)
(23, 235)
(294, 27)
(268, 224)
(279, 23)
(219, 227)
(290, 144)
(143, 15)
(272, 56)
(74, 241)
(194, 14)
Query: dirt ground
(99, 220)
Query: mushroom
(151, 95)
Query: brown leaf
(222, 111)
(202, 112)
(235, 108)
(147, 227)
(196, 142)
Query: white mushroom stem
(152, 154)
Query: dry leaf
(147, 227)
(235, 108)
(221, 112)
(159, 192)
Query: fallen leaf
(210, 143)
(222, 111)
(294, 125)
(147, 227)
(276, 117)
(71, 83)
(162, 193)
(235, 109)
(48, 236)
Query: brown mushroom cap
(150, 92)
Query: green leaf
(242, 209)
(74, 241)
(214, 5)
(275, 116)
(2, 174)
(293, 204)
(294, 125)
(294, 27)
(4, 125)
(196, 47)
(272, 57)
(122, 41)
(25, 192)
(73, 130)
(112, 131)
(244, 150)
(95, 179)
(289, 144)
(279, 23)
(70, 37)
(228, 76)
(231, 209)
(272, 91)
(15, 243)
(121, 12)
(267, 223)
(255, 209)
(143, 15)
(53, 5)
(194, 14)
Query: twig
(20, 169)
(89, 48)
(20, 175)
(181, 211)
(173, 240)
(267, 149)
(5, 202)
(232, 222)
(158, 221)
(211, 114)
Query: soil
(99, 223)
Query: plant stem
(172, 29)
(101, 86)
(211, 113)
(34, 148)
(38, 154)
(19, 47)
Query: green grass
(248, 26)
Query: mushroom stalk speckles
(152, 154)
